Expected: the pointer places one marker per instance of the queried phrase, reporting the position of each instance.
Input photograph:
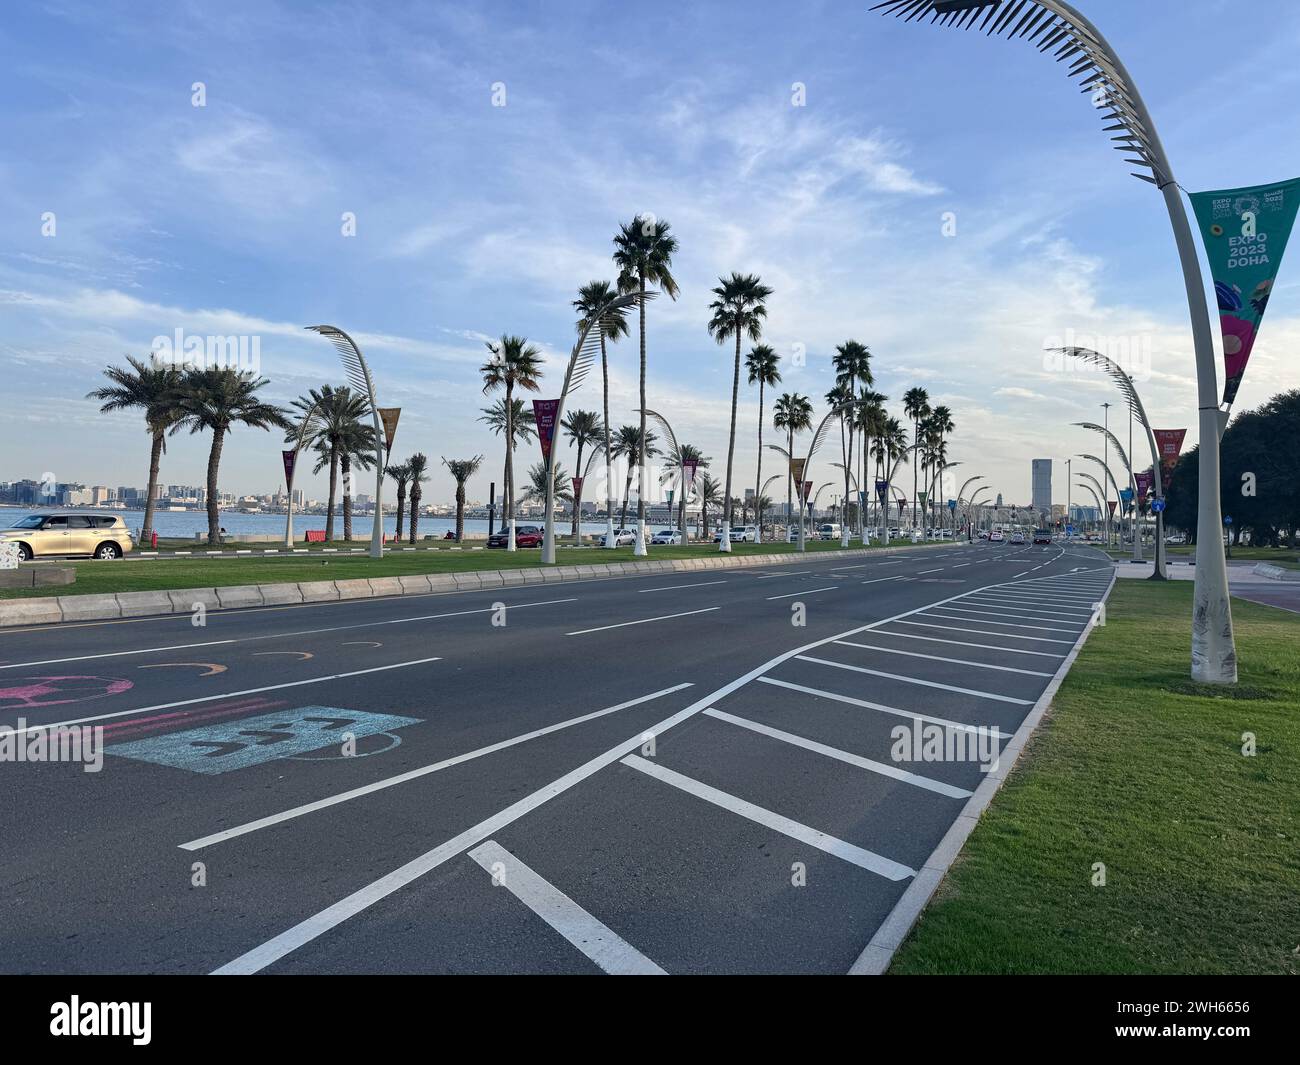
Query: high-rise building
(1042, 487)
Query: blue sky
(474, 220)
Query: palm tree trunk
(789, 482)
(627, 494)
(346, 462)
(415, 512)
(609, 454)
(640, 548)
(758, 476)
(155, 461)
(334, 487)
(510, 466)
(724, 541)
(401, 508)
(214, 507)
(577, 497)
(916, 461)
(460, 511)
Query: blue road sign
(1227, 519)
(253, 740)
(952, 504)
(1158, 505)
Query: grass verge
(198, 572)
(1140, 769)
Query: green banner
(1245, 233)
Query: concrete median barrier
(30, 611)
(144, 604)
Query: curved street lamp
(970, 511)
(358, 374)
(1113, 441)
(1092, 491)
(675, 452)
(1056, 26)
(308, 423)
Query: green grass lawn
(201, 572)
(1289, 557)
(1137, 767)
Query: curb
(1276, 573)
(98, 607)
(876, 956)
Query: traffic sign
(1227, 519)
(1158, 505)
(952, 504)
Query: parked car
(829, 531)
(1043, 536)
(47, 535)
(666, 536)
(740, 534)
(622, 538)
(983, 535)
(997, 537)
(525, 536)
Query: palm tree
(891, 449)
(461, 470)
(643, 253)
(401, 474)
(852, 363)
(710, 496)
(868, 413)
(916, 405)
(685, 453)
(537, 484)
(340, 415)
(633, 443)
(738, 311)
(763, 366)
(419, 465)
(356, 444)
(582, 427)
(514, 363)
(152, 387)
(841, 397)
(591, 298)
(793, 413)
(217, 399)
(941, 419)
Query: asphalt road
(671, 772)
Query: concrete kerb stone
(318, 591)
(143, 604)
(276, 594)
(89, 607)
(43, 611)
(380, 586)
(414, 584)
(357, 588)
(187, 600)
(241, 595)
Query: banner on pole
(1245, 233)
(544, 411)
(689, 466)
(389, 416)
(1169, 442)
(577, 487)
(796, 470)
(807, 491)
(882, 490)
(290, 460)
(1111, 504)
(1144, 480)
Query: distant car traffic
(525, 536)
(1017, 539)
(666, 536)
(1043, 536)
(622, 538)
(740, 534)
(829, 531)
(48, 535)
(997, 537)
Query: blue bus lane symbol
(253, 740)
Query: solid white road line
(911, 715)
(985, 617)
(595, 939)
(923, 572)
(918, 681)
(674, 587)
(1039, 597)
(937, 658)
(225, 695)
(643, 621)
(796, 573)
(1051, 610)
(967, 643)
(983, 632)
(806, 591)
(415, 774)
(882, 768)
(115, 654)
(882, 580)
(865, 859)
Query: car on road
(622, 538)
(1017, 539)
(666, 536)
(525, 536)
(1043, 536)
(829, 531)
(997, 536)
(983, 535)
(740, 534)
(51, 535)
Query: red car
(525, 536)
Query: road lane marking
(967, 643)
(882, 768)
(937, 658)
(592, 937)
(643, 621)
(796, 573)
(982, 632)
(911, 715)
(881, 580)
(917, 680)
(923, 572)
(1056, 609)
(806, 591)
(986, 617)
(226, 695)
(674, 587)
(116, 654)
(865, 859)
(415, 774)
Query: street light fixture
(1056, 25)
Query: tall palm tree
(739, 309)
(583, 428)
(515, 363)
(941, 419)
(793, 413)
(591, 298)
(841, 397)
(852, 362)
(710, 496)
(339, 414)
(216, 400)
(537, 484)
(462, 470)
(685, 453)
(634, 444)
(916, 405)
(401, 475)
(356, 444)
(868, 412)
(151, 387)
(419, 465)
(643, 252)
(763, 365)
